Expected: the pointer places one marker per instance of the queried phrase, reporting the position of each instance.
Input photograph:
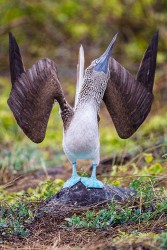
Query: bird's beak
(103, 61)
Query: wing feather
(127, 99)
(15, 59)
(33, 93)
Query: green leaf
(148, 157)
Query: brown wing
(33, 93)
(129, 100)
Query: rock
(80, 196)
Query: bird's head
(100, 66)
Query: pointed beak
(103, 61)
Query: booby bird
(127, 99)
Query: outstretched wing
(33, 93)
(127, 99)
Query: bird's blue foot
(92, 182)
(72, 181)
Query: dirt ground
(50, 232)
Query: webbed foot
(72, 181)
(92, 182)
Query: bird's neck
(92, 91)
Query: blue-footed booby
(128, 100)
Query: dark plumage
(33, 93)
(127, 99)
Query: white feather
(81, 140)
(80, 73)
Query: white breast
(81, 140)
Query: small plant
(162, 240)
(145, 188)
(45, 190)
(14, 218)
(148, 205)
(17, 209)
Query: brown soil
(47, 233)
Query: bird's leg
(93, 175)
(92, 182)
(74, 178)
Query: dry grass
(48, 231)
(47, 234)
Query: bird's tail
(80, 73)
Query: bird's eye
(96, 61)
